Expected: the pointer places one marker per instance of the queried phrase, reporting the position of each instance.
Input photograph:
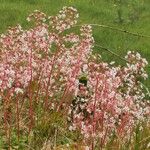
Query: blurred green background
(131, 15)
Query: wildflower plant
(44, 69)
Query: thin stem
(117, 29)
(17, 113)
(94, 111)
(112, 52)
(48, 84)
(146, 88)
(30, 95)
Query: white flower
(148, 145)
(112, 62)
(18, 90)
(71, 128)
(87, 148)
(28, 19)
(0, 82)
(85, 67)
(129, 52)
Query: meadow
(118, 27)
(135, 16)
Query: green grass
(13, 12)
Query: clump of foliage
(55, 91)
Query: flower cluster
(66, 18)
(42, 66)
(115, 102)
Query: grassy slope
(91, 11)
